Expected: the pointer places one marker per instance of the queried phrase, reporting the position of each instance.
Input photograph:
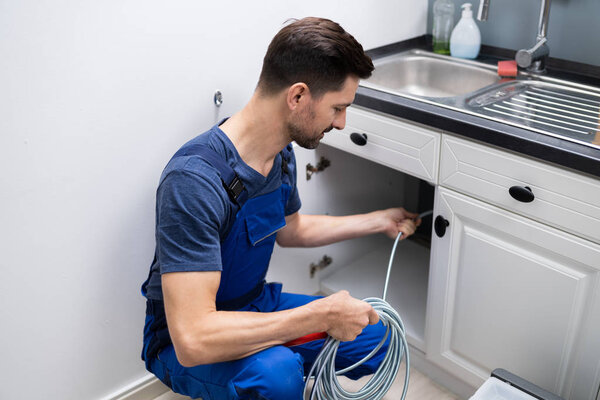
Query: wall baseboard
(145, 388)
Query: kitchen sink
(535, 102)
(426, 74)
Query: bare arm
(203, 335)
(319, 230)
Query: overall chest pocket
(264, 218)
(265, 225)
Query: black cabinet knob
(359, 139)
(439, 225)
(521, 193)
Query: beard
(302, 133)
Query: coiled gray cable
(327, 386)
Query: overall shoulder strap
(286, 157)
(231, 182)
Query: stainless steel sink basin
(539, 103)
(427, 74)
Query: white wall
(95, 96)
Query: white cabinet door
(505, 291)
(588, 362)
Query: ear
(297, 95)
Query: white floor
(420, 388)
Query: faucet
(534, 59)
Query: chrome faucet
(534, 59)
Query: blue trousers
(275, 373)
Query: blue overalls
(275, 373)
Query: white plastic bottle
(465, 40)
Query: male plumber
(214, 328)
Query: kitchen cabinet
(509, 284)
(509, 292)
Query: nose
(339, 122)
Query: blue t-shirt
(194, 212)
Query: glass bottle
(443, 22)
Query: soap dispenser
(465, 40)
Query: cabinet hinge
(310, 169)
(325, 261)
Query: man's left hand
(396, 220)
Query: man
(214, 328)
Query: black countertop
(565, 153)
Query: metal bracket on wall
(310, 169)
(325, 261)
(218, 98)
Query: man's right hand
(348, 316)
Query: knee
(276, 373)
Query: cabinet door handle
(439, 225)
(359, 139)
(523, 194)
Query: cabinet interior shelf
(407, 290)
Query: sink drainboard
(570, 114)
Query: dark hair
(316, 51)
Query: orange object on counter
(507, 68)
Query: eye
(338, 109)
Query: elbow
(292, 243)
(281, 242)
(185, 355)
(194, 344)
(291, 240)
(186, 360)
(191, 353)
(284, 239)
(293, 234)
